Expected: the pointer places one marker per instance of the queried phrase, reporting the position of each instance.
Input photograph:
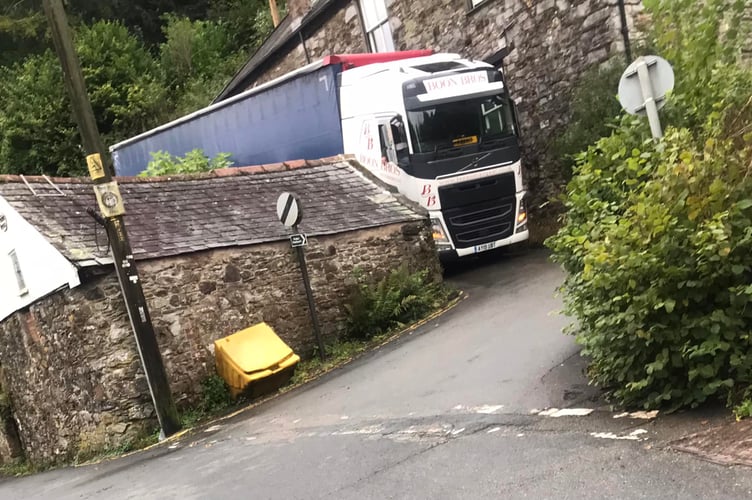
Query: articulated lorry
(438, 128)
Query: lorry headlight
(522, 213)
(439, 236)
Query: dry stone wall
(70, 365)
(10, 445)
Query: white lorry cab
(438, 128)
(442, 130)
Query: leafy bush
(163, 163)
(657, 239)
(594, 107)
(398, 299)
(38, 133)
(744, 409)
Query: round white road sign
(288, 210)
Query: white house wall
(44, 269)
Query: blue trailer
(298, 118)
(439, 128)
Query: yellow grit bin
(254, 360)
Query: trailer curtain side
(296, 119)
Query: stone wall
(342, 34)
(70, 363)
(10, 445)
(551, 43)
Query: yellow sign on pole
(109, 199)
(96, 169)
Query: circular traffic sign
(288, 210)
(660, 79)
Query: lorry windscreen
(459, 123)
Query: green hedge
(657, 238)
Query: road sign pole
(290, 214)
(651, 109)
(309, 296)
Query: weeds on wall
(396, 300)
(215, 398)
(194, 162)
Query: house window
(22, 290)
(376, 22)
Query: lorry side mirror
(515, 118)
(398, 130)
(400, 141)
(388, 150)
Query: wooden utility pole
(111, 206)
(275, 12)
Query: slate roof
(168, 216)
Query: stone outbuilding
(213, 259)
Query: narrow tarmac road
(445, 412)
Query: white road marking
(644, 415)
(632, 436)
(373, 429)
(483, 409)
(566, 412)
(495, 429)
(487, 409)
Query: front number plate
(485, 246)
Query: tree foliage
(197, 57)
(144, 63)
(657, 238)
(22, 31)
(38, 132)
(125, 83)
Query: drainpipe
(362, 21)
(305, 49)
(625, 31)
